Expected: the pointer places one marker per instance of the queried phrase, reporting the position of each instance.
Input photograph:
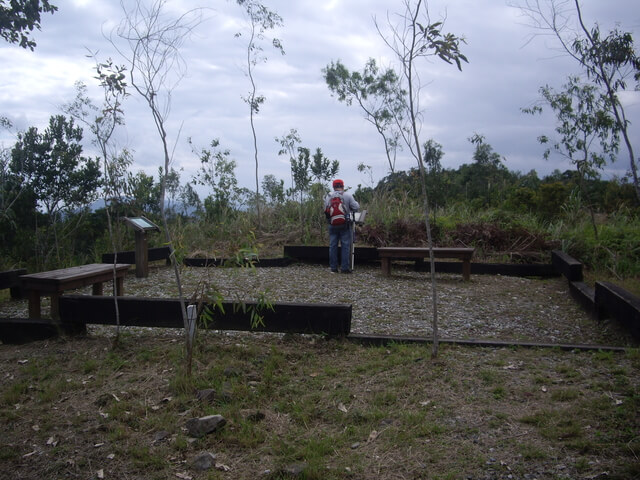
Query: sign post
(357, 218)
(141, 226)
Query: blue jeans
(340, 234)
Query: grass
(338, 409)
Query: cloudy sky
(505, 70)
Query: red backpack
(336, 213)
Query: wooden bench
(387, 253)
(55, 282)
(11, 279)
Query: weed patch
(336, 409)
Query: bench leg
(34, 304)
(97, 289)
(386, 266)
(466, 270)
(120, 286)
(55, 306)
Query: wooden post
(386, 266)
(142, 255)
(97, 288)
(466, 269)
(34, 304)
(55, 305)
(120, 286)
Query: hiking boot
(346, 271)
(334, 271)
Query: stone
(211, 396)
(198, 427)
(160, 436)
(231, 372)
(295, 469)
(207, 395)
(204, 461)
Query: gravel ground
(488, 307)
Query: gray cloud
(503, 75)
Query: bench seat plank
(55, 282)
(463, 253)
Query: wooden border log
(320, 253)
(584, 295)
(506, 269)
(129, 256)
(567, 266)
(325, 319)
(216, 262)
(384, 340)
(16, 331)
(612, 301)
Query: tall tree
(143, 194)
(288, 146)
(20, 17)
(377, 93)
(217, 172)
(103, 126)
(10, 186)
(412, 40)
(102, 122)
(608, 60)
(322, 168)
(432, 156)
(190, 200)
(482, 178)
(172, 186)
(273, 189)
(585, 131)
(154, 39)
(52, 166)
(301, 172)
(260, 20)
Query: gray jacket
(350, 203)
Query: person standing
(338, 207)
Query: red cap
(337, 183)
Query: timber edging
(614, 301)
(16, 331)
(364, 255)
(323, 319)
(611, 301)
(129, 256)
(568, 266)
(220, 262)
(385, 340)
(606, 300)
